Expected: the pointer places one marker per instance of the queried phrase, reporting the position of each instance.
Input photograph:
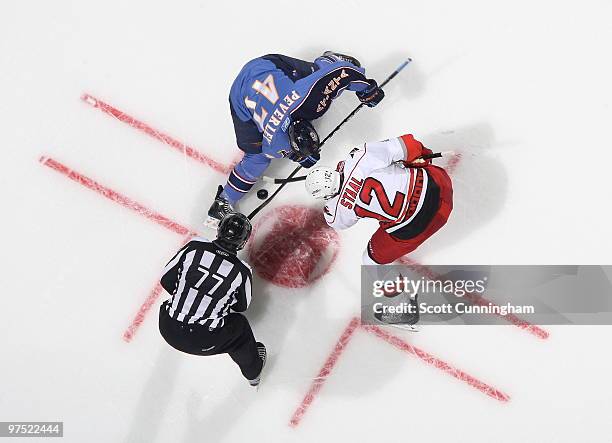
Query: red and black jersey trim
(419, 223)
(369, 251)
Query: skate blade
(260, 380)
(257, 385)
(211, 223)
(409, 328)
(261, 375)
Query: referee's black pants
(235, 338)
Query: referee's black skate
(219, 209)
(263, 354)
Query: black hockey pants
(235, 338)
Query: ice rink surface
(522, 89)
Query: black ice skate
(219, 209)
(336, 56)
(407, 321)
(263, 354)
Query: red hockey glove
(414, 151)
(421, 162)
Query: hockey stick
(278, 181)
(347, 118)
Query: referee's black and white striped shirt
(205, 282)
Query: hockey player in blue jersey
(272, 102)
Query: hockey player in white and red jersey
(390, 182)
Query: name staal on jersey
(377, 185)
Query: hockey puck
(262, 194)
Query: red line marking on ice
(479, 300)
(146, 306)
(129, 333)
(114, 196)
(325, 371)
(437, 363)
(511, 318)
(397, 342)
(165, 138)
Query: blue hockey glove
(305, 162)
(310, 161)
(372, 95)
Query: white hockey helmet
(323, 182)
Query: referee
(209, 285)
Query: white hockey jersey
(376, 187)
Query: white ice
(524, 86)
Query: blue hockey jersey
(273, 95)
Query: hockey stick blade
(278, 181)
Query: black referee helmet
(234, 231)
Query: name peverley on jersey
(375, 187)
(264, 94)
